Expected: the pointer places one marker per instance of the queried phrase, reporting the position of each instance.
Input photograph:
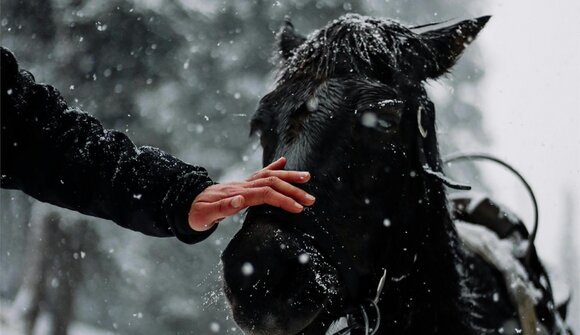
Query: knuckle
(295, 191)
(232, 189)
(288, 204)
(268, 192)
(221, 187)
(223, 206)
(288, 201)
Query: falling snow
(167, 81)
(387, 222)
(247, 269)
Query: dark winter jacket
(63, 156)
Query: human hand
(271, 186)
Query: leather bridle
(366, 324)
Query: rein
(476, 156)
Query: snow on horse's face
(349, 107)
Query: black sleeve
(63, 156)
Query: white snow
(214, 327)
(101, 26)
(312, 104)
(337, 325)
(389, 102)
(386, 222)
(521, 290)
(499, 253)
(247, 269)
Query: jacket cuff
(177, 204)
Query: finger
(204, 215)
(298, 177)
(267, 195)
(286, 189)
(277, 164)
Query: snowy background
(186, 76)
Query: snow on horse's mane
(362, 41)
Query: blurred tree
(184, 76)
(32, 291)
(57, 245)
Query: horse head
(349, 105)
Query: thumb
(203, 216)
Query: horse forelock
(351, 44)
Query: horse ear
(446, 45)
(288, 39)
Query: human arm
(64, 156)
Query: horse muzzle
(276, 281)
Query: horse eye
(373, 120)
(386, 125)
(370, 120)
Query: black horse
(350, 106)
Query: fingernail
(304, 175)
(310, 197)
(299, 206)
(237, 202)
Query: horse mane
(355, 44)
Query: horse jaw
(272, 325)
